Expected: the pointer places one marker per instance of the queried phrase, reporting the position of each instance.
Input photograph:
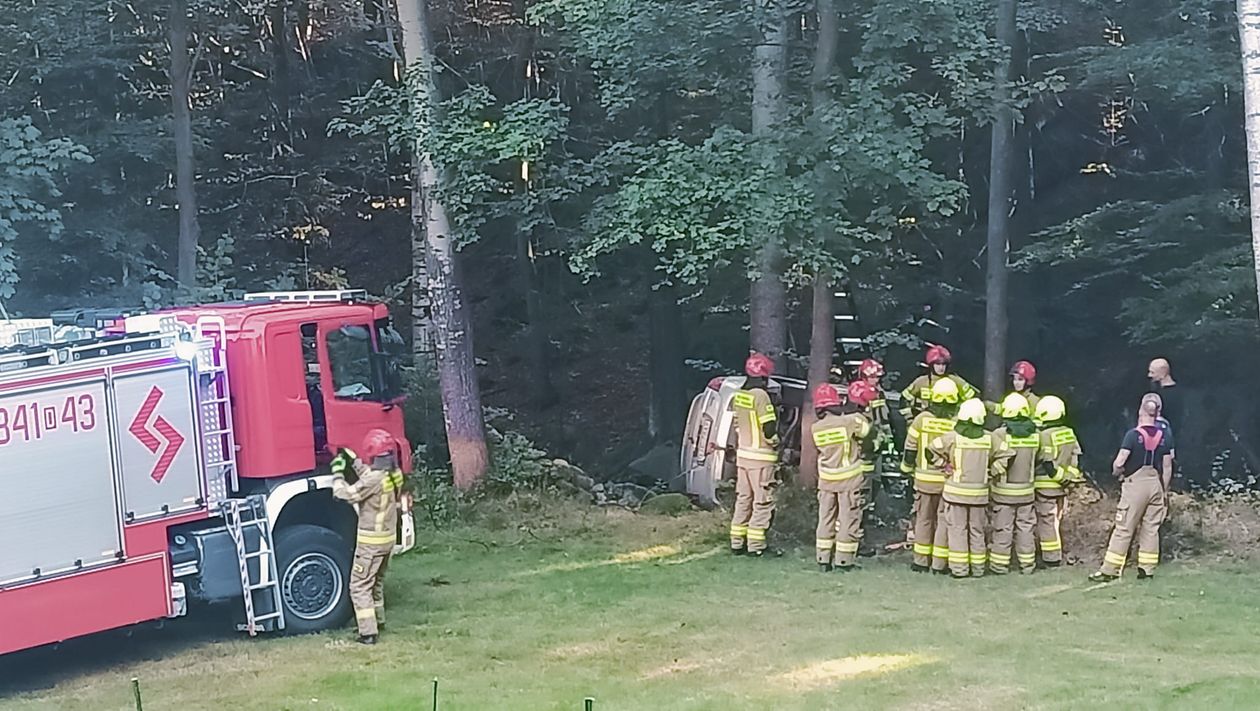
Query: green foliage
(517, 465)
(652, 51)
(857, 167)
(477, 142)
(436, 500)
(698, 207)
(1178, 271)
(422, 414)
(30, 168)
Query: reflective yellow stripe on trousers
(372, 538)
(842, 474)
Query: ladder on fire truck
(245, 519)
(247, 523)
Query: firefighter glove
(341, 463)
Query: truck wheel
(314, 568)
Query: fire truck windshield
(391, 352)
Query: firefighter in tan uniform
(1013, 515)
(1144, 465)
(1057, 467)
(968, 452)
(918, 395)
(839, 433)
(756, 426)
(931, 549)
(1023, 377)
(376, 492)
(870, 371)
(875, 467)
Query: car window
(350, 357)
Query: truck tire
(314, 568)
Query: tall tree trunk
(1249, 39)
(185, 169)
(536, 337)
(768, 295)
(1001, 164)
(666, 404)
(536, 340)
(822, 333)
(822, 345)
(280, 72)
(431, 236)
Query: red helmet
(825, 396)
(938, 354)
(1025, 370)
(861, 393)
(759, 366)
(871, 368)
(378, 442)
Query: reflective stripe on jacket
(970, 460)
(839, 440)
(1060, 448)
(929, 476)
(1015, 458)
(753, 409)
(376, 492)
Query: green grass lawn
(646, 612)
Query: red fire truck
(183, 455)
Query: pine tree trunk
(537, 340)
(185, 169)
(822, 346)
(1249, 40)
(768, 295)
(666, 405)
(1001, 165)
(431, 236)
(822, 333)
(278, 17)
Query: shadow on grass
(45, 667)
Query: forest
(583, 210)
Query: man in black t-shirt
(1144, 465)
(1161, 383)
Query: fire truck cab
(184, 456)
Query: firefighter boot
(368, 639)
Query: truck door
(353, 397)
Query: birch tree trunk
(822, 333)
(1249, 40)
(185, 168)
(436, 261)
(1001, 164)
(768, 295)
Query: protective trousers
(754, 506)
(1141, 510)
(1048, 538)
(1013, 522)
(931, 546)
(839, 531)
(367, 586)
(967, 554)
